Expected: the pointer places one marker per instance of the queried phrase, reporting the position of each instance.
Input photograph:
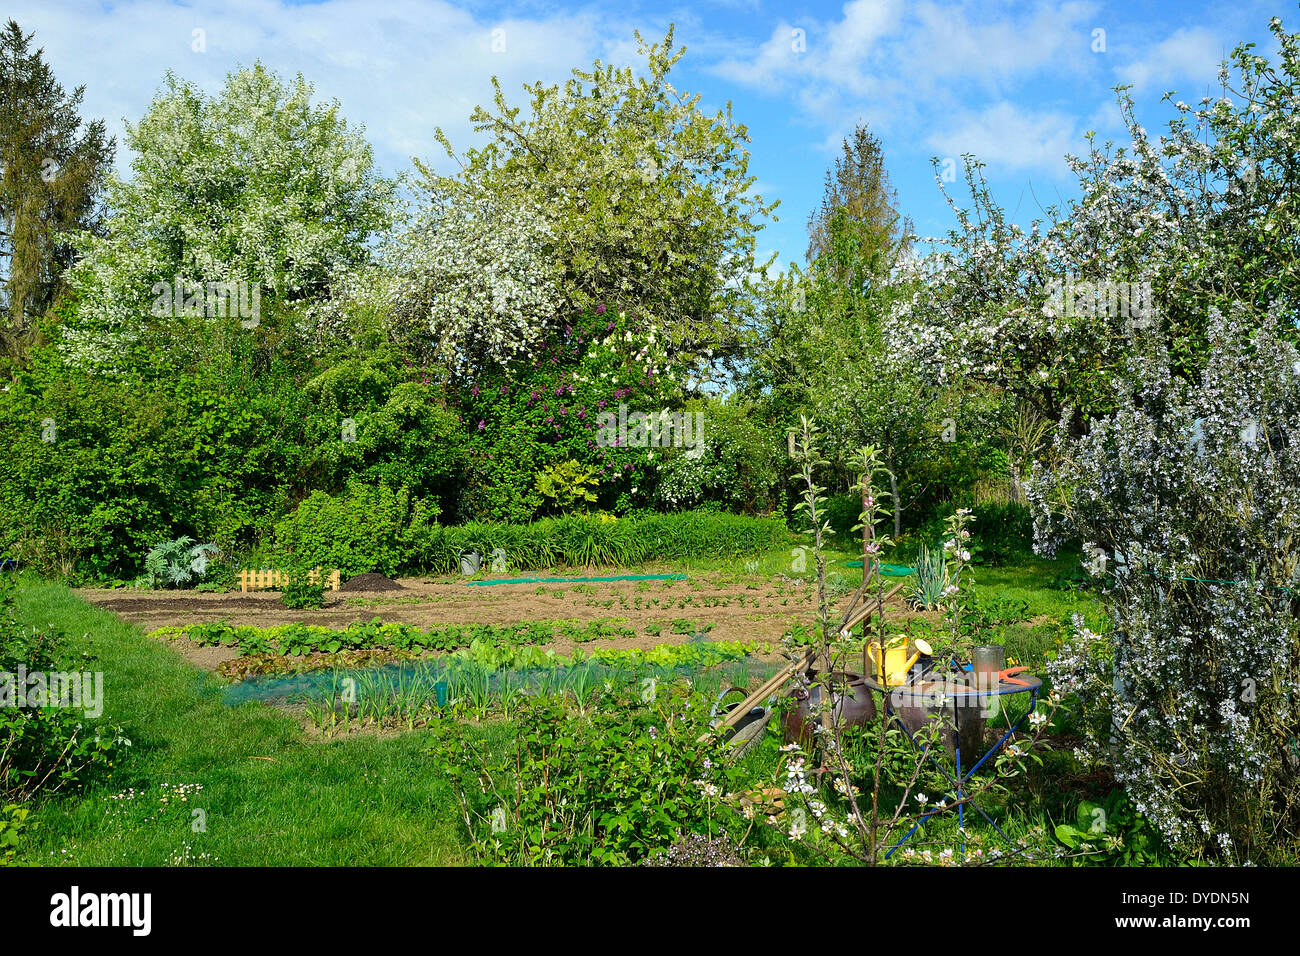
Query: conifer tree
(52, 168)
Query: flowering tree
(255, 185)
(469, 279)
(1188, 496)
(636, 196)
(1165, 229)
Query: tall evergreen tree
(52, 169)
(856, 231)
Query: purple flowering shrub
(543, 410)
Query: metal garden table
(922, 696)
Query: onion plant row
(409, 697)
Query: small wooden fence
(276, 580)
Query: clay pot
(854, 706)
(916, 716)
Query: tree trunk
(897, 505)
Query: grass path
(362, 801)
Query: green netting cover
(886, 570)
(614, 577)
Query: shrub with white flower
(469, 279)
(1191, 488)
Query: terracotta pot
(853, 707)
(916, 716)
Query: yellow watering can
(892, 663)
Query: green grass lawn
(362, 801)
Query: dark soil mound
(371, 582)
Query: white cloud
(771, 65)
(952, 42)
(896, 66)
(1011, 138)
(881, 44)
(856, 41)
(400, 69)
(838, 54)
(1189, 54)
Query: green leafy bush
(13, 820)
(732, 466)
(301, 592)
(843, 512)
(44, 749)
(369, 528)
(568, 485)
(1111, 833)
(610, 784)
(97, 470)
(529, 416)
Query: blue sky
(1016, 83)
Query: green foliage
(1111, 833)
(584, 540)
(733, 466)
(1002, 532)
(377, 418)
(605, 785)
(999, 611)
(301, 593)
(842, 513)
(931, 579)
(857, 230)
(295, 640)
(99, 470)
(369, 528)
(567, 485)
(177, 564)
(691, 534)
(50, 748)
(13, 820)
(539, 412)
(41, 132)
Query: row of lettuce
(501, 645)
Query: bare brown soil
(748, 610)
(754, 612)
(370, 582)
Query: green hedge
(598, 541)
(379, 530)
(583, 541)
